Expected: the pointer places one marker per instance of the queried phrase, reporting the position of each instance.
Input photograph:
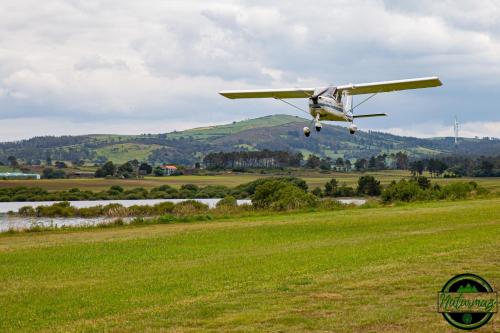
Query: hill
(276, 132)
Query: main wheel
(307, 131)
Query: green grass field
(358, 270)
(313, 178)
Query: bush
(416, 189)
(317, 192)
(291, 197)
(345, 191)
(331, 187)
(163, 208)
(189, 207)
(227, 201)
(402, 191)
(368, 185)
(282, 195)
(26, 211)
(331, 204)
(248, 189)
(60, 209)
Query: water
(7, 222)
(15, 222)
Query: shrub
(331, 187)
(345, 191)
(317, 192)
(422, 181)
(248, 189)
(414, 189)
(227, 201)
(163, 208)
(282, 195)
(26, 211)
(189, 207)
(291, 197)
(60, 209)
(368, 185)
(402, 191)
(331, 204)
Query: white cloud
(470, 129)
(21, 128)
(96, 61)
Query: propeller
(316, 95)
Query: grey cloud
(96, 62)
(105, 60)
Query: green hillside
(276, 132)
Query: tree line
(240, 160)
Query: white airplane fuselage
(328, 108)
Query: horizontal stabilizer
(370, 115)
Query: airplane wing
(269, 93)
(388, 86)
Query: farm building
(169, 170)
(18, 175)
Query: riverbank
(79, 214)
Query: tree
(347, 164)
(108, 169)
(401, 161)
(331, 187)
(486, 168)
(372, 163)
(126, 170)
(325, 164)
(145, 168)
(339, 163)
(158, 172)
(436, 166)
(60, 165)
(13, 162)
(417, 168)
(361, 164)
(50, 173)
(368, 185)
(313, 162)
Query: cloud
(105, 61)
(470, 129)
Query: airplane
(335, 103)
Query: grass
(366, 270)
(313, 178)
(123, 152)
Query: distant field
(123, 152)
(230, 179)
(360, 270)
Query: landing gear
(353, 128)
(317, 124)
(307, 131)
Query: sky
(132, 67)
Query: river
(15, 222)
